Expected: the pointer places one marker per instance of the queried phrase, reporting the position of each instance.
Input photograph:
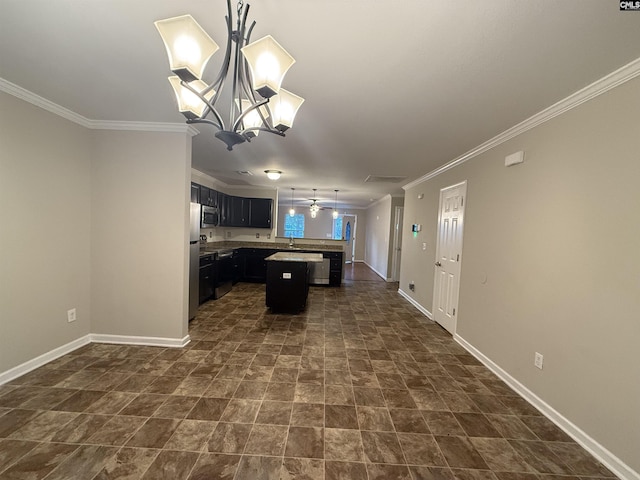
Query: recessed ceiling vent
(383, 179)
(244, 172)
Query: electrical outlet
(537, 360)
(412, 286)
(71, 315)
(257, 235)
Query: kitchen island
(288, 280)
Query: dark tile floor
(359, 387)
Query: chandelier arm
(204, 120)
(210, 106)
(236, 109)
(263, 129)
(218, 83)
(251, 108)
(243, 71)
(249, 92)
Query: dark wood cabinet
(254, 265)
(239, 212)
(195, 193)
(208, 196)
(235, 211)
(260, 212)
(287, 286)
(336, 260)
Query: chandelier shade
(190, 104)
(283, 108)
(268, 62)
(255, 70)
(188, 46)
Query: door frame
(397, 244)
(463, 186)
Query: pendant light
(292, 211)
(335, 206)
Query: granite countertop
(229, 244)
(295, 257)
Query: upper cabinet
(239, 213)
(235, 211)
(208, 196)
(195, 193)
(260, 212)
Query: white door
(449, 255)
(349, 235)
(397, 244)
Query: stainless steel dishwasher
(319, 272)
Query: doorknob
(438, 264)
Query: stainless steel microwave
(210, 217)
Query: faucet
(291, 242)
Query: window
(294, 226)
(337, 229)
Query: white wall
(377, 240)
(550, 263)
(139, 231)
(45, 187)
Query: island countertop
(295, 257)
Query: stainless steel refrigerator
(194, 259)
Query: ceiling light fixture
(335, 206)
(273, 174)
(314, 207)
(256, 76)
(292, 211)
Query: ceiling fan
(314, 207)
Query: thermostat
(416, 227)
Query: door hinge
(454, 311)
(458, 258)
(462, 202)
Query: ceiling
(391, 88)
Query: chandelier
(257, 103)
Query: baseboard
(376, 272)
(43, 359)
(613, 463)
(145, 341)
(424, 311)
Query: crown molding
(41, 102)
(603, 85)
(374, 203)
(23, 94)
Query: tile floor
(359, 387)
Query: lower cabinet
(252, 266)
(207, 278)
(287, 286)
